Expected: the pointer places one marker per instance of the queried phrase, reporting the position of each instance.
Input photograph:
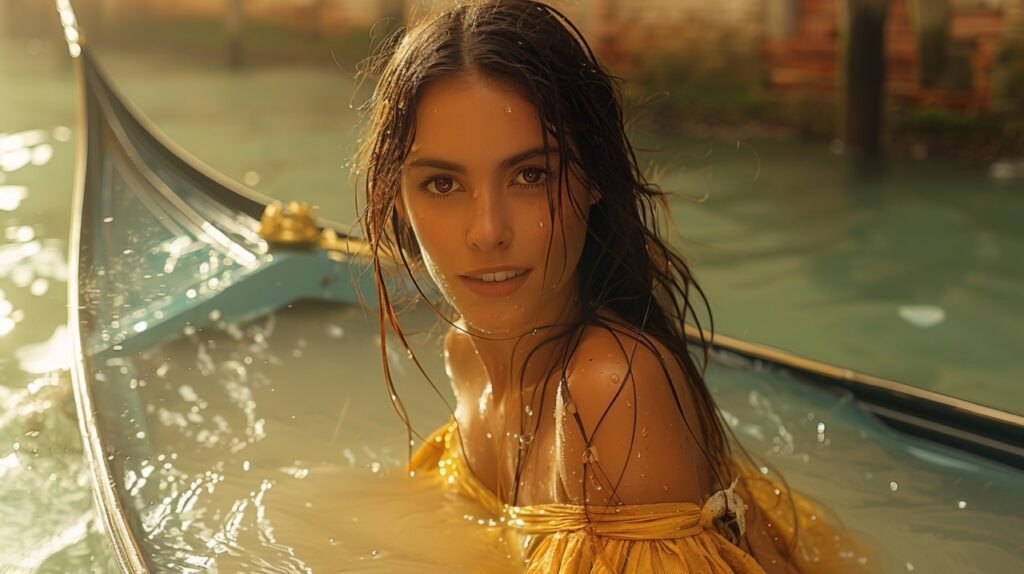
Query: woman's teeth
(499, 276)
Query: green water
(916, 275)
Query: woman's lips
(495, 288)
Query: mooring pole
(863, 80)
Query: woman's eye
(531, 176)
(441, 185)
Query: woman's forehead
(474, 120)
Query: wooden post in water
(863, 76)
(234, 16)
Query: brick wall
(711, 33)
(807, 60)
(620, 30)
(324, 15)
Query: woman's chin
(495, 323)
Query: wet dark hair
(625, 266)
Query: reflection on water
(69, 23)
(11, 196)
(920, 281)
(914, 273)
(272, 446)
(48, 521)
(41, 468)
(24, 148)
(50, 356)
(927, 507)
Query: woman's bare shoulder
(632, 420)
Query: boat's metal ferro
(289, 225)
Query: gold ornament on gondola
(290, 225)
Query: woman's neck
(526, 355)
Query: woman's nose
(489, 226)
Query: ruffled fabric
(570, 539)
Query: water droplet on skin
(540, 224)
(525, 440)
(516, 307)
(643, 432)
(664, 487)
(643, 476)
(508, 109)
(476, 194)
(571, 407)
(615, 379)
(529, 410)
(590, 455)
(638, 454)
(629, 404)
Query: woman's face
(477, 189)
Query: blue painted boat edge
(979, 430)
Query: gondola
(162, 245)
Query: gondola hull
(163, 247)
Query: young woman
(496, 161)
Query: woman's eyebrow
(505, 164)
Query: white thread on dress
(722, 501)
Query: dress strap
(722, 503)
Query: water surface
(916, 276)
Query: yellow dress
(664, 537)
